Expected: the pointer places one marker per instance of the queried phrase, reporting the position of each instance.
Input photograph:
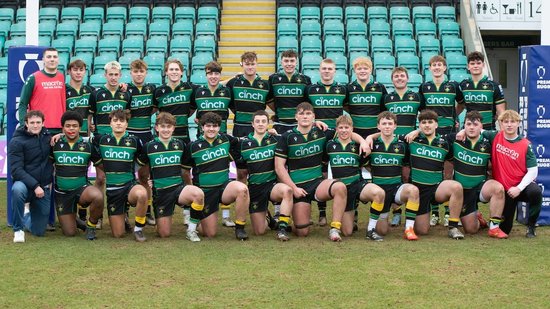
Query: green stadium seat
(415, 79)
(333, 27)
(381, 45)
(87, 58)
(3, 97)
(71, 14)
(456, 61)
(377, 12)
(63, 62)
(18, 30)
(310, 13)
(428, 44)
(125, 61)
(425, 28)
(162, 13)
(384, 77)
(183, 28)
(66, 28)
(183, 57)
(136, 28)
(310, 28)
(139, 13)
(355, 12)
(310, 62)
(311, 45)
(113, 28)
(286, 43)
(332, 13)
(384, 62)
(341, 78)
(400, 13)
(313, 75)
(90, 28)
(7, 14)
(199, 78)
(287, 28)
(125, 77)
(206, 27)
(184, 13)
(379, 28)
(64, 44)
(3, 63)
(5, 26)
(422, 13)
(156, 45)
(3, 80)
(116, 13)
(208, 13)
(21, 14)
(180, 44)
(357, 45)
(356, 27)
(97, 80)
(339, 59)
(205, 44)
(287, 13)
(14, 41)
(109, 44)
(448, 28)
(100, 62)
(132, 44)
(199, 61)
(405, 45)
(409, 61)
(48, 13)
(445, 13)
(46, 28)
(459, 76)
(334, 44)
(44, 40)
(155, 79)
(160, 28)
(425, 58)
(94, 13)
(402, 28)
(154, 62)
(85, 45)
(452, 45)
(428, 75)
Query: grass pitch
(59, 272)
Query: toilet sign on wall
(508, 14)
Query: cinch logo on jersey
(364, 99)
(107, 108)
(380, 160)
(507, 151)
(327, 102)
(83, 101)
(305, 151)
(433, 100)
(260, 155)
(117, 154)
(424, 151)
(214, 154)
(70, 159)
(162, 160)
(338, 160)
(211, 105)
(476, 97)
(463, 155)
(255, 96)
(146, 102)
(282, 90)
(401, 109)
(171, 99)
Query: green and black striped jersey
(303, 154)
(79, 101)
(118, 157)
(217, 102)
(177, 102)
(103, 103)
(287, 94)
(71, 163)
(210, 161)
(471, 161)
(364, 104)
(328, 101)
(165, 161)
(141, 108)
(427, 159)
(345, 161)
(483, 97)
(247, 97)
(405, 108)
(443, 101)
(387, 161)
(258, 157)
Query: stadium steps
(247, 25)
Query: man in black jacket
(31, 170)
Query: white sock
(137, 228)
(186, 212)
(372, 224)
(492, 225)
(409, 223)
(26, 209)
(191, 227)
(225, 213)
(277, 208)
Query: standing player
(403, 102)
(249, 93)
(175, 97)
(515, 167)
(345, 163)
(288, 89)
(482, 94)
(256, 154)
(472, 158)
(163, 156)
(298, 164)
(44, 90)
(389, 155)
(209, 157)
(71, 156)
(139, 125)
(117, 153)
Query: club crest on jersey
(353, 148)
(447, 88)
(127, 142)
(317, 89)
(84, 90)
(121, 96)
(376, 146)
(81, 147)
(261, 85)
(268, 142)
(176, 146)
(298, 80)
(337, 90)
(396, 148)
(163, 90)
(147, 89)
(220, 141)
(222, 93)
(372, 88)
(485, 85)
(439, 143)
(411, 97)
(314, 135)
(108, 139)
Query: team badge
(447, 88)
(392, 97)
(268, 142)
(113, 208)
(249, 144)
(222, 93)
(121, 96)
(127, 142)
(84, 90)
(411, 97)
(254, 205)
(485, 85)
(396, 148)
(219, 141)
(317, 89)
(81, 148)
(337, 90)
(376, 146)
(353, 148)
(261, 86)
(148, 90)
(176, 146)
(298, 80)
(372, 88)
(163, 90)
(314, 134)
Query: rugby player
(209, 157)
(71, 156)
(163, 156)
(117, 153)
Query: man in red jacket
(515, 167)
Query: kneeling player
(164, 157)
(256, 154)
(117, 153)
(71, 156)
(345, 163)
(209, 157)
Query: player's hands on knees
(514, 192)
(299, 192)
(39, 192)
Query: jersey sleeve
(330, 134)
(498, 94)
(187, 160)
(531, 160)
(142, 157)
(96, 153)
(238, 158)
(25, 98)
(459, 95)
(282, 147)
(489, 134)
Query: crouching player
(256, 154)
(345, 162)
(164, 155)
(117, 153)
(71, 157)
(209, 157)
